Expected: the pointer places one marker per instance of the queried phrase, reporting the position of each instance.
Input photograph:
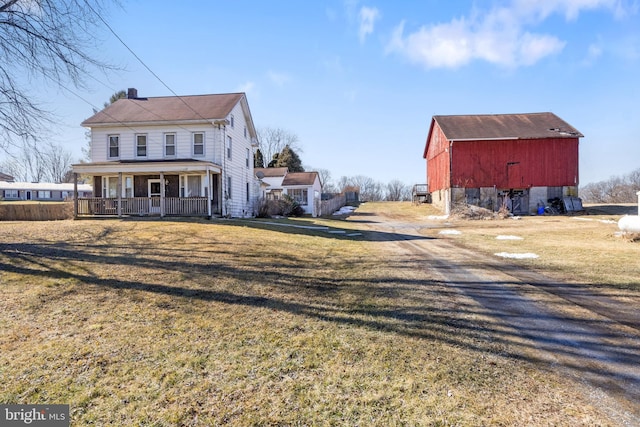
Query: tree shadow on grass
(292, 226)
(591, 349)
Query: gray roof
(166, 109)
(300, 178)
(505, 126)
(271, 172)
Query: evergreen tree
(274, 161)
(288, 159)
(258, 159)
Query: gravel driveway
(573, 329)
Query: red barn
(521, 160)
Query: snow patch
(501, 237)
(345, 210)
(526, 255)
(438, 217)
(450, 232)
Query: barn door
(514, 175)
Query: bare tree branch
(273, 140)
(44, 39)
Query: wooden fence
(327, 207)
(46, 211)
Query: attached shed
(516, 160)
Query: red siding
(521, 163)
(437, 155)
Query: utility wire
(140, 60)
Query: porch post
(209, 190)
(75, 195)
(161, 194)
(119, 195)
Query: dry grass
(585, 248)
(169, 323)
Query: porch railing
(143, 206)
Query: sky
(358, 81)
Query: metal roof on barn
(505, 126)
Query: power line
(141, 61)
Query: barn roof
(505, 126)
(299, 178)
(166, 108)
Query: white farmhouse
(172, 155)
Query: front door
(154, 196)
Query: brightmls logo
(34, 415)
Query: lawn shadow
(592, 350)
(293, 226)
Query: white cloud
(500, 36)
(279, 79)
(367, 17)
(246, 87)
(569, 8)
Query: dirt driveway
(589, 337)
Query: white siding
(316, 188)
(155, 142)
(214, 151)
(236, 167)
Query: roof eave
(148, 123)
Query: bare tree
(369, 189)
(614, 190)
(49, 164)
(325, 179)
(57, 164)
(47, 39)
(26, 166)
(397, 191)
(272, 141)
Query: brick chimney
(132, 93)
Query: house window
(169, 144)
(190, 186)
(299, 195)
(231, 120)
(114, 146)
(198, 144)
(228, 187)
(10, 194)
(110, 186)
(274, 195)
(128, 186)
(141, 145)
(247, 191)
(229, 142)
(245, 131)
(248, 157)
(44, 194)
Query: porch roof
(146, 166)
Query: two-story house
(171, 155)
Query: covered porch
(143, 188)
